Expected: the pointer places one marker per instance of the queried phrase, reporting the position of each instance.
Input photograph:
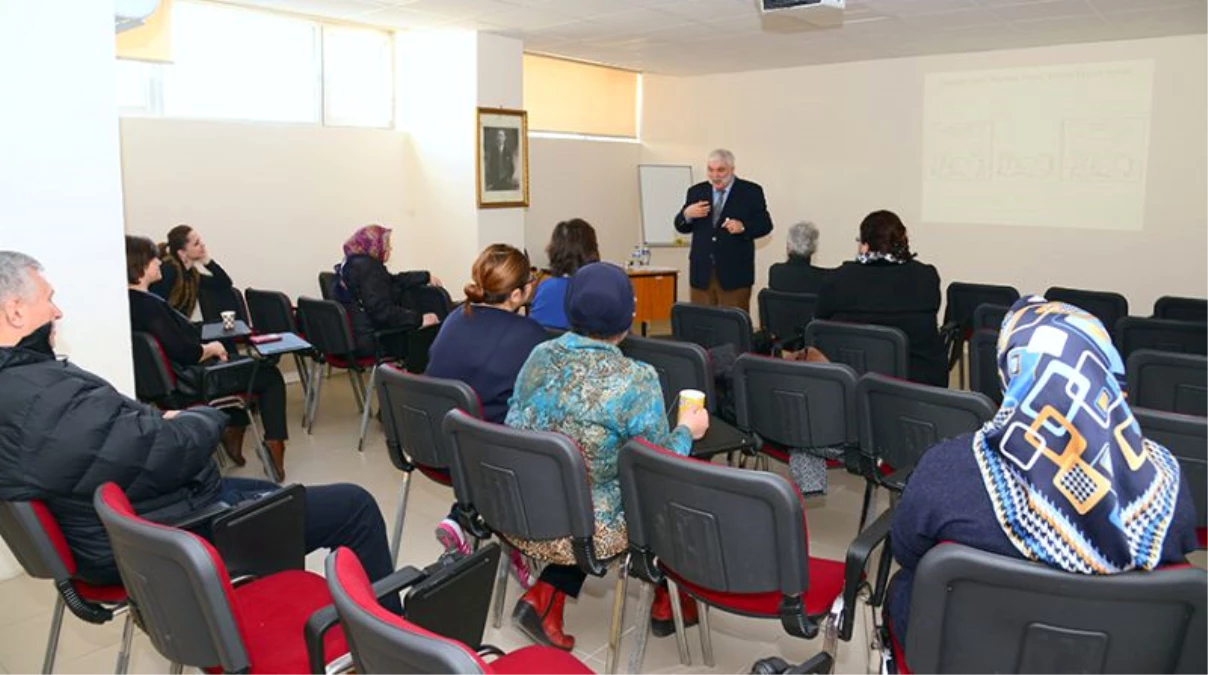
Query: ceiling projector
(820, 13)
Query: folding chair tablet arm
(858, 555)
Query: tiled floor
(330, 455)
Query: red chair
(34, 537)
(383, 642)
(182, 595)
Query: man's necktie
(719, 201)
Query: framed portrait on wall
(502, 158)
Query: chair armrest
(199, 521)
(858, 554)
(897, 480)
(953, 336)
(324, 618)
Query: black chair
(1186, 437)
(731, 539)
(1184, 337)
(1181, 309)
(327, 285)
(272, 312)
(326, 325)
(983, 365)
(413, 411)
(961, 301)
(867, 348)
(711, 327)
(988, 317)
(899, 421)
(978, 612)
(1168, 381)
(795, 405)
(1106, 306)
(214, 303)
(785, 316)
(684, 365)
(529, 485)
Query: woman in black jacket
(181, 284)
(377, 300)
(885, 285)
(186, 352)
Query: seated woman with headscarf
(997, 492)
(377, 300)
(582, 386)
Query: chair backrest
(989, 316)
(1184, 337)
(37, 542)
(1108, 307)
(784, 314)
(900, 420)
(1186, 437)
(1168, 381)
(680, 365)
(326, 325)
(794, 403)
(271, 311)
(711, 327)
(977, 612)
(214, 303)
(1181, 309)
(382, 641)
(983, 364)
(178, 585)
(154, 381)
(527, 484)
(413, 412)
(725, 530)
(962, 300)
(327, 285)
(865, 347)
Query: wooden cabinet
(655, 290)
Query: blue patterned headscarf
(1072, 481)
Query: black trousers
(566, 578)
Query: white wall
(273, 202)
(831, 143)
(593, 180)
(60, 195)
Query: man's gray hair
(722, 155)
(15, 279)
(803, 239)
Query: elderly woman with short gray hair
(798, 274)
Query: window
(580, 98)
(358, 76)
(237, 63)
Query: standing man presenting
(725, 215)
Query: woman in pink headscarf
(377, 300)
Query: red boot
(662, 622)
(538, 614)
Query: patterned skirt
(609, 542)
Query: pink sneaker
(449, 534)
(521, 570)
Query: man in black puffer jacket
(64, 432)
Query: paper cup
(228, 320)
(689, 400)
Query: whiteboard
(662, 188)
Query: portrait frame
(501, 166)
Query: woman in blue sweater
(1120, 504)
(571, 246)
(484, 343)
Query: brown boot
(276, 449)
(232, 444)
(662, 621)
(538, 614)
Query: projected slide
(1052, 146)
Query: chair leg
(618, 615)
(677, 613)
(368, 398)
(501, 585)
(123, 652)
(314, 401)
(358, 388)
(397, 539)
(641, 627)
(52, 641)
(706, 636)
(176, 668)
